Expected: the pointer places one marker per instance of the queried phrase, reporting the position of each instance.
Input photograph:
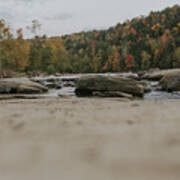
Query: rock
(6, 73)
(50, 82)
(85, 86)
(128, 75)
(157, 75)
(146, 85)
(21, 85)
(68, 84)
(145, 72)
(52, 85)
(58, 74)
(112, 94)
(171, 82)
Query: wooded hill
(139, 44)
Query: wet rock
(171, 82)
(21, 85)
(85, 86)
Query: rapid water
(66, 90)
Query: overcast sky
(66, 16)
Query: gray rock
(85, 86)
(171, 82)
(157, 75)
(21, 85)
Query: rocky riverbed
(150, 85)
(57, 135)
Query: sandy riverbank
(85, 139)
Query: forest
(142, 43)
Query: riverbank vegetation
(139, 44)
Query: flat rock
(20, 85)
(85, 86)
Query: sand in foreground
(89, 139)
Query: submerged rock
(171, 82)
(87, 86)
(21, 85)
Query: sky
(59, 17)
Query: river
(66, 87)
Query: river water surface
(67, 89)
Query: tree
(35, 27)
(176, 62)
(5, 35)
(145, 64)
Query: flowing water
(68, 87)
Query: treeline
(139, 44)
(40, 54)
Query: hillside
(139, 44)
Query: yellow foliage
(158, 25)
(175, 29)
(153, 27)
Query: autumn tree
(176, 62)
(5, 35)
(146, 58)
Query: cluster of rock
(53, 82)
(171, 82)
(169, 79)
(127, 85)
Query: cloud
(59, 17)
(67, 16)
(5, 15)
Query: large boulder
(157, 75)
(21, 85)
(171, 81)
(90, 85)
